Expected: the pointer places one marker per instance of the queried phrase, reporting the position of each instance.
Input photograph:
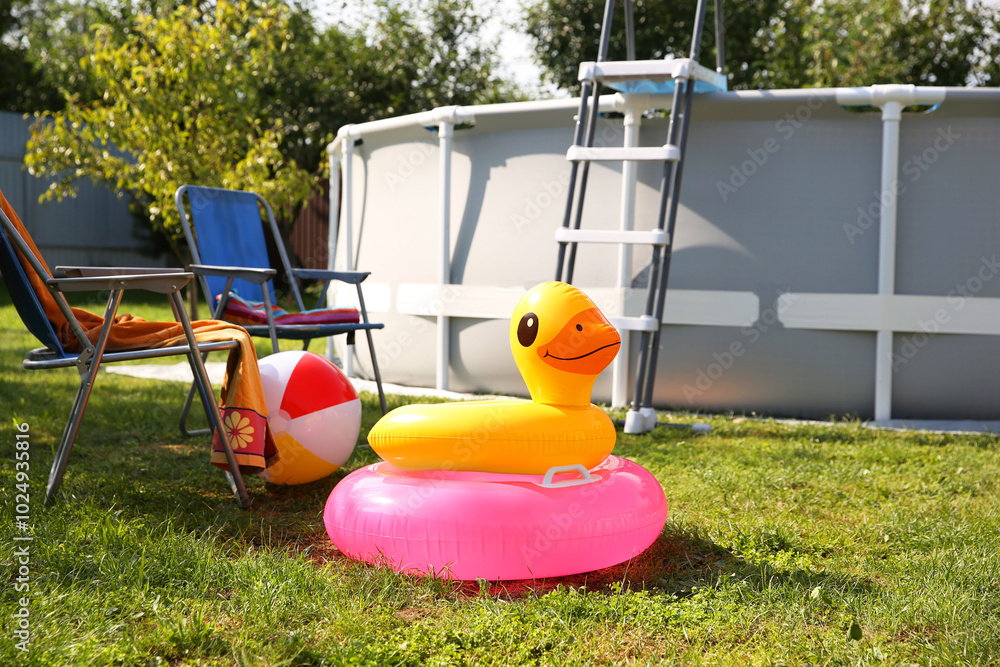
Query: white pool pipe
(892, 113)
(890, 99)
(619, 370)
(446, 132)
(348, 218)
(331, 237)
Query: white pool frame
(886, 312)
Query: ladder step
(655, 237)
(642, 323)
(652, 76)
(667, 153)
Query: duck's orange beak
(586, 345)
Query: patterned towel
(249, 313)
(244, 412)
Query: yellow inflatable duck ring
(561, 342)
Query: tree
(567, 33)
(179, 105)
(437, 56)
(55, 36)
(404, 58)
(789, 43)
(950, 43)
(162, 92)
(23, 86)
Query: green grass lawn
(787, 543)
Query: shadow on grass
(678, 563)
(55, 391)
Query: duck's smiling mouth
(568, 350)
(582, 356)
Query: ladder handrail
(671, 191)
(582, 118)
(677, 134)
(720, 38)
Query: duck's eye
(579, 327)
(527, 329)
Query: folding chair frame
(260, 276)
(116, 281)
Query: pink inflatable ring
(497, 526)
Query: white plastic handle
(585, 476)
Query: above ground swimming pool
(788, 293)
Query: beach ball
(314, 414)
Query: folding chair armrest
(161, 283)
(259, 276)
(91, 271)
(352, 277)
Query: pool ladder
(635, 80)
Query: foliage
(179, 102)
(403, 58)
(163, 92)
(567, 33)
(22, 84)
(55, 35)
(789, 43)
(437, 56)
(856, 43)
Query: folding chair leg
(378, 375)
(205, 388)
(88, 367)
(68, 438)
(269, 312)
(186, 409)
(196, 386)
(189, 401)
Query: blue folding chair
(225, 233)
(54, 355)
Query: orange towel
(244, 412)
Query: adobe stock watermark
(393, 349)
(408, 164)
(915, 167)
(559, 525)
(740, 175)
(21, 577)
(910, 345)
(706, 377)
(494, 423)
(553, 190)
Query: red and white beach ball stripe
(314, 413)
